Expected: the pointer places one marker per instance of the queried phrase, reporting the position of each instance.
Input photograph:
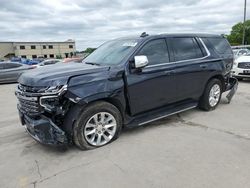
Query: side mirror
(140, 61)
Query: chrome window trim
(174, 62)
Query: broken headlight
(56, 89)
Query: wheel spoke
(109, 125)
(95, 118)
(99, 137)
(106, 137)
(109, 118)
(110, 132)
(102, 117)
(90, 125)
(90, 132)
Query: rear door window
(186, 48)
(221, 45)
(156, 52)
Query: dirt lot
(191, 149)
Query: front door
(153, 86)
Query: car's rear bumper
(43, 130)
(232, 87)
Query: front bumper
(43, 130)
(241, 73)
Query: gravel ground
(191, 149)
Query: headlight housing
(55, 90)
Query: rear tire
(211, 96)
(99, 124)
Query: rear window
(186, 48)
(221, 45)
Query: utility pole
(244, 27)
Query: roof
(204, 35)
(40, 42)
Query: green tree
(89, 50)
(235, 37)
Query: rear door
(191, 69)
(153, 86)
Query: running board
(163, 113)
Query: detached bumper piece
(232, 87)
(44, 130)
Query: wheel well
(221, 78)
(112, 101)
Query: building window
(45, 56)
(22, 47)
(44, 47)
(70, 46)
(50, 47)
(24, 56)
(33, 47)
(34, 56)
(51, 55)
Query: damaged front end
(41, 111)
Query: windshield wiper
(91, 63)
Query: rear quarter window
(221, 45)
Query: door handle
(204, 66)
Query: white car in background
(240, 52)
(241, 67)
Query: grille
(28, 99)
(29, 105)
(245, 65)
(30, 89)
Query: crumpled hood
(58, 74)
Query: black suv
(125, 82)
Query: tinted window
(22, 47)
(44, 47)
(221, 45)
(70, 46)
(33, 47)
(186, 48)
(11, 65)
(50, 47)
(156, 51)
(242, 52)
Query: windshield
(112, 52)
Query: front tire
(99, 124)
(211, 96)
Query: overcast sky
(91, 22)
